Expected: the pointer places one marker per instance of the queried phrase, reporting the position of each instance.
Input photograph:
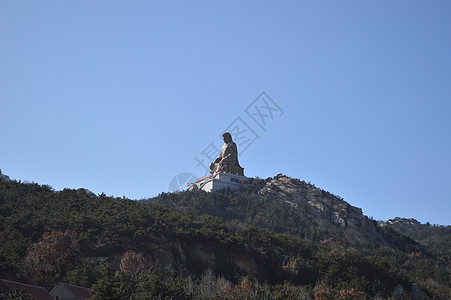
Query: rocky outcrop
(325, 211)
(4, 177)
(437, 238)
(400, 221)
(291, 206)
(321, 208)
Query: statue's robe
(227, 160)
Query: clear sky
(120, 97)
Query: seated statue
(227, 161)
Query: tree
(132, 263)
(106, 286)
(83, 274)
(244, 290)
(16, 295)
(51, 256)
(55, 250)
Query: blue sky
(121, 96)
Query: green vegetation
(216, 246)
(435, 237)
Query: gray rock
(4, 177)
(322, 208)
(416, 293)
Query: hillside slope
(436, 238)
(291, 206)
(124, 249)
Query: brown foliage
(244, 290)
(326, 292)
(291, 267)
(54, 251)
(132, 263)
(350, 294)
(51, 256)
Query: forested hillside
(435, 237)
(288, 205)
(196, 245)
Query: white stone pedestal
(218, 182)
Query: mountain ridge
(278, 236)
(289, 205)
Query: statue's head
(227, 137)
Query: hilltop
(278, 238)
(4, 176)
(291, 206)
(436, 238)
